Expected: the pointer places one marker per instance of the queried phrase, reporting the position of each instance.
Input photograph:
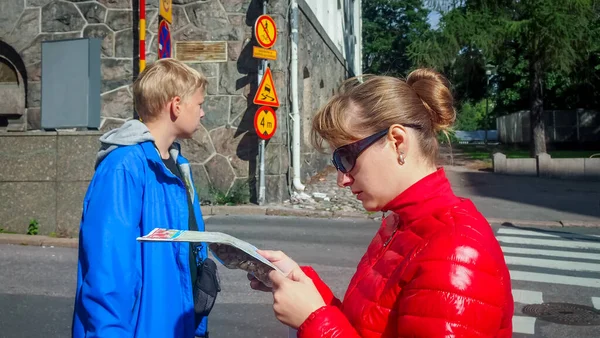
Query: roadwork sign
(266, 95)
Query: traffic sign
(262, 53)
(265, 122)
(164, 40)
(265, 31)
(266, 95)
(166, 10)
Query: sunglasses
(344, 157)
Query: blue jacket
(127, 288)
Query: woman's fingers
(297, 275)
(277, 278)
(272, 256)
(255, 284)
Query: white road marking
(524, 325)
(552, 264)
(553, 253)
(549, 242)
(554, 279)
(527, 296)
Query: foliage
(34, 227)
(238, 194)
(472, 116)
(448, 137)
(537, 44)
(389, 27)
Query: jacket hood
(130, 133)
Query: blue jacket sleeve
(110, 256)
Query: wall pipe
(294, 91)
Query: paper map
(170, 235)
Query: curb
(530, 223)
(250, 210)
(38, 240)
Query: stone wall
(322, 70)
(224, 152)
(25, 24)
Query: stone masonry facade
(224, 152)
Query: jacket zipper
(390, 238)
(381, 252)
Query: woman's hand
(294, 297)
(280, 260)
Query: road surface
(547, 265)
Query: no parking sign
(164, 40)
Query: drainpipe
(294, 89)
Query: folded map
(230, 251)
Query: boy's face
(190, 113)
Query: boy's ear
(175, 106)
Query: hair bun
(434, 90)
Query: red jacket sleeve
(324, 290)
(455, 289)
(327, 321)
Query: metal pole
(142, 41)
(261, 148)
(487, 118)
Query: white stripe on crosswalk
(552, 264)
(524, 325)
(553, 253)
(554, 279)
(596, 302)
(549, 242)
(527, 297)
(531, 233)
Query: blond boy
(126, 288)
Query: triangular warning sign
(266, 95)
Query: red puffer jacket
(434, 269)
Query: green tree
(551, 36)
(389, 26)
(472, 116)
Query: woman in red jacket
(434, 268)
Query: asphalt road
(547, 265)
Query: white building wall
(334, 15)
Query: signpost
(265, 120)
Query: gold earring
(401, 159)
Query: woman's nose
(343, 180)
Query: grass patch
(4, 231)
(34, 227)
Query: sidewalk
(525, 201)
(531, 199)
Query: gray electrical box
(71, 84)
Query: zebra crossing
(542, 259)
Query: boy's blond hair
(160, 82)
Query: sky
(433, 19)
